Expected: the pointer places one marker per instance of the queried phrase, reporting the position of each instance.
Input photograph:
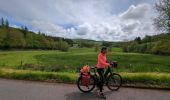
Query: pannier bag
(85, 73)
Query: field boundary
(136, 80)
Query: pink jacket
(102, 61)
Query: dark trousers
(101, 80)
(102, 76)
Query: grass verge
(149, 80)
(38, 75)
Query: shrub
(161, 47)
(62, 45)
(96, 48)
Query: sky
(108, 20)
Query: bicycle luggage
(85, 73)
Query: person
(101, 65)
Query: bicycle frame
(107, 72)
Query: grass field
(74, 59)
(56, 66)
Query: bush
(132, 47)
(96, 48)
(162, 47)
(62, 45)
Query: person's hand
(109, 64)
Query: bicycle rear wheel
(86, 88)
(114, 82)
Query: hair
(103, 48)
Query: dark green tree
(24, 30)
(39, 32)
(6, 24)
(14, 39)
(2, 22)
(2, 37)
(62, 45)
(138, 40)
(147, 39)
(162, 21)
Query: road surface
(26, 90)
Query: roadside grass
(38, 75)
(159, 80)
(154, 80)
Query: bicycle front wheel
(114, 82)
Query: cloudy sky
(109, 20)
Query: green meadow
(75, 58)
(56, 66)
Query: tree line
(22, 38)
(158, 44)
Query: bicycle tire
(114, 82)
(81, 89)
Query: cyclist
(101, 65)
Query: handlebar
(114, 64)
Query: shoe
(101, 95)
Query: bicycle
(112, 80)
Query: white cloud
(130, 27)
(91, 19)
(136, 12)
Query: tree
(147, 39)
(24, 30)
(14, 39)
(39, 32)
(138, 40)
(2, 37)
(6, 24)
(162, 47)
(162, 21)
(2, 22)
(62, 45)
(29, 38)
(106, 44)
(69, 41)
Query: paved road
(24, 90)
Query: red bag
(85, 75)
(85, 79)
(85, 69)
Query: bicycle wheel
(86, 88)
(114, 82)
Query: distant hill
(16, 38)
